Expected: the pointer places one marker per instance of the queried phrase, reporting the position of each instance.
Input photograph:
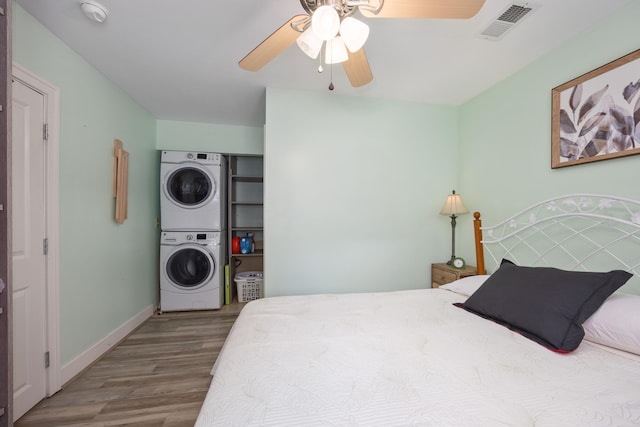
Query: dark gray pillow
(545, 304)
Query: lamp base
(453, 240)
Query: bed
(455, 356)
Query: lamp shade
(325, 22)
(335, 51)
(310, 43)
(453, 205)
(354, 33)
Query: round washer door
(190, 186)
(189, 267)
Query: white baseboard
(93, 353)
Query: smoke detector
(506, 20)
(94, 11)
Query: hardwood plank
(157, 376)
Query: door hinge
(45, 246)
(45, 131)
(46, 360)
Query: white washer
(192, 191)
(191, 270)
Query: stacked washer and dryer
(193, 230)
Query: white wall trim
(93, 353)
(51, 95)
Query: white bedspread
(406, 358)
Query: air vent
(506, 21)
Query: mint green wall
(353, 190)
(108, 272)
(505, 133)
(353, 186)
(173, 135)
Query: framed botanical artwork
(597, 116)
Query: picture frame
(597, 116)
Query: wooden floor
(157, 376)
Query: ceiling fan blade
(272, 46)
(441, 9)
(357, 68)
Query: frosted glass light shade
(335, 51)
(354, 33)
(325, 22)
(310, 43)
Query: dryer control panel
(181, 237)
(203, 158)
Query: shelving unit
(245, 213)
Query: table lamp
(453, 207)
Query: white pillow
(465, 286)
(616, 323)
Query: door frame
(52, 221)
(6, 353)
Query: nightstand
(443, 273)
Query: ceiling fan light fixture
(310, 43)
(95, 11)
(335, 51)
(354, 33)
(325, 22)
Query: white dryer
(192, 191)
(191, 270)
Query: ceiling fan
(330, 22)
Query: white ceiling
(178, 59)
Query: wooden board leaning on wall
(120, 180)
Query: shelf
(257, 253)
(256, 228)
(244, 178)
(234, 203)
(246, 211)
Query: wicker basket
(250, 285)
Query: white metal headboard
(588, 232)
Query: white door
(29, 259)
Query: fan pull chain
(331, 80)
(331, 69)
(320, 69)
